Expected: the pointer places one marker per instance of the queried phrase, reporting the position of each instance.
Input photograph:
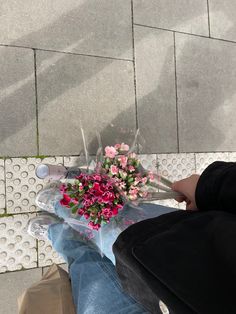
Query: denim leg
(95, 285)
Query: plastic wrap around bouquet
(106, 195)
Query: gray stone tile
(188, 16)
(12, 285)
(75, 90)
(155, 74)
(97, 27)
(17, 102)
(222, 19)
(206, 94)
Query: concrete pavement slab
(188, 16)
(156, 97)
(97, 27)
(206, 86)
(18, 135)
(96, 93)
(222, 19)
(12, 285)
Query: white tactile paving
(47, 255)
(22, 185)
(2, 187)
(176, 166)
(232, 156)
(17, 248)
(203, 160)
(149, 162)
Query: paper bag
(51, 295)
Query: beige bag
(51, 295)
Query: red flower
(66, 200)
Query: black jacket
(186, 259)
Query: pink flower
(123, 161)
(106, 213)
(111, 152)
(144, 180)
(93, 225)
(132, 155)
(133, 191)
(108, 197)
(151, 176)
(86, 215)
(117, 146)
(124, 147)
(131, 169)
(114, 170)
(116, 209)
(137, 180)
(63, 188)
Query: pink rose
(124, 147)
(114, 170)
(110, 151)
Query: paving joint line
(185, 33)
(67, 52)
(134, 66)
(36, 101)
(208, 14)
(143, 153)
(176, 94)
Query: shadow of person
(73, 31)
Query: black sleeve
(216, 188)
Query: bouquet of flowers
(100, 199)
(117, 180)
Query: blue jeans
(95, 284)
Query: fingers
(180, 199)
(179, 186)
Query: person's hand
(187, 187)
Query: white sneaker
(38, 226)
(46, 199)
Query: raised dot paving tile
(2, 187)
(203, 160)
(22, 184)
(149, 162)
(17, 248)
(47, 255)
(176, 166)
